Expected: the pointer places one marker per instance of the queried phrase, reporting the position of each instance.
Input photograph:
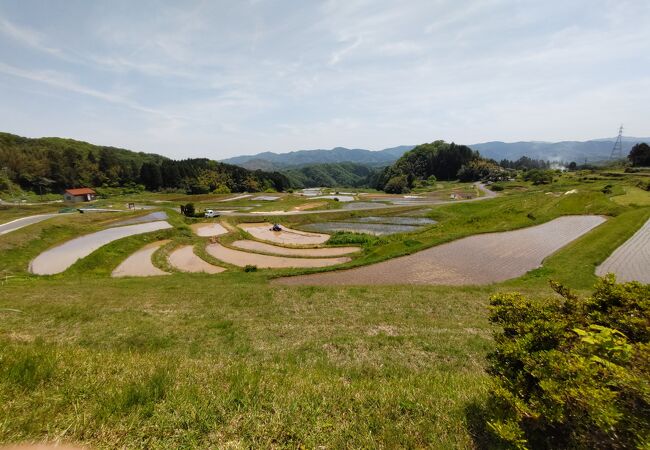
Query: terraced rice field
(630, 261)
(208, 229)
(60, 258)
(151, 217)
(17, 224)
(139, 263)
(377, 229)
(242, 259)
(261, 247)
(287, 236)
(184, 259)
(478, 259)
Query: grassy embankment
(229, 361)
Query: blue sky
(218, 79)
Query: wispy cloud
(239, 77)
(27, 36)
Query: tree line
(54, 164)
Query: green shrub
(250, 268)
(346, 238)
(538, 176)
(221, 189)
(571, 372)
(397, 185)
(496, 187)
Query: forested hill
(332, 175)
(54, 164)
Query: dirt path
(631, 261)
(479, 259)
(287, 236)
(208, 229)
(184, 259)
(17, 224)
(255, 246)
(241, 259)
(139, 263)
(58, 259)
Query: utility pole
(617, 150)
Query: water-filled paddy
(396, 220)
(378, 229)
(58, 259)
(363, 205)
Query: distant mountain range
(275, 161)
(566, 151)
(593, 151)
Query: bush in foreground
(572, 372)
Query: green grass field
(229, 361)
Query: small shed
(79, 195)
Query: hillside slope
(54, 164)
(331, 175)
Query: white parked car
(211, 213)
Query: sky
(223, 78)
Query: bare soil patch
(241, 259)
(139, 263)
(631, 261)
(287, 236)
(184, 259)
(307, 206)
(255, 246)
(479, 259)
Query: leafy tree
(538, 176)
(221, 189)
(570, 372)
(480, 169)
(525, 163)
(640, 155)
(397, 185)
(573, 166)
(189, 210)
(151, 176)
(438, 158)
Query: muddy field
(184, 259)
(139, 263)
(631, 261)
(479, 259)
(261, 247)
(208, 229)
(287, 236)
(241, 259)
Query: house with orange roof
(79, 195)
